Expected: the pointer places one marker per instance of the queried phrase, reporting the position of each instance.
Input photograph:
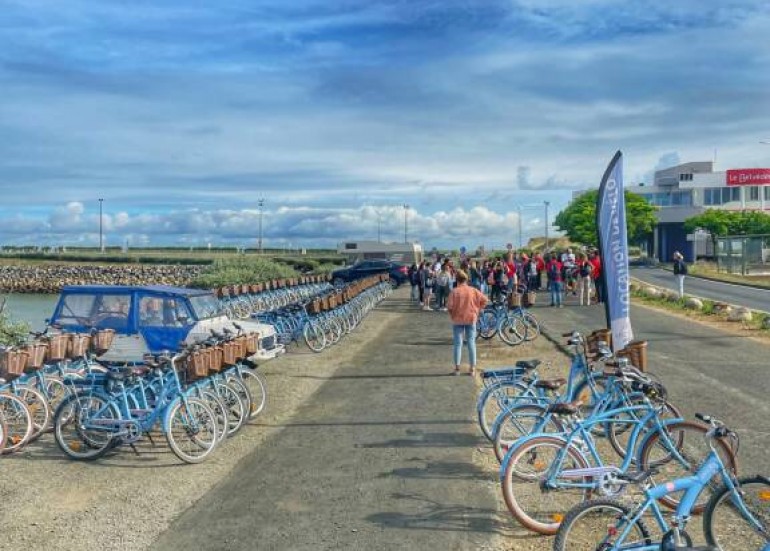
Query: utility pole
(101, 234)
(261, 204)
(406, 227)
(518, 208)
(546, 225)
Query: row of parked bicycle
(197, 397)
(570, 448)
(325, 319)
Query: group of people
(465, 291)
(560, 273)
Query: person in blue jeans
(464, 305)
(556, 281)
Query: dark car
(398, 271)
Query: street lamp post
(406, 227)
(101, 233)
(546, 225)
(261, 204)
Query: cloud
(309, 226)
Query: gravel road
(124, 501)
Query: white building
(688, 189)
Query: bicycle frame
(692, 487)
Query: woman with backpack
(585, 277)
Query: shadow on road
(430, 440)
(447, 518)
(442, 470)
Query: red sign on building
(748, 177)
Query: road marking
(707, 281)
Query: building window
(767, 193)
(685, 177)
(754, 193)
(721, 195)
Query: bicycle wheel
(678, 453)
(620, 430)
(18, 422)
(191, 430)
(536, 507)
(234, 395)
(519, 422)
(38, 409)
(532, 325)
(257, 386)
(726, 527)
(314, 337)
(597, 524)
(219, 409)
(55, 392)
(487, 325)
(496, 398)
(83, 425)
(512, 330)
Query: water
(32, 308)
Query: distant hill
(538, 243)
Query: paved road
(705, 369)
(757, 299)
(379, 458)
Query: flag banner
(613, 249)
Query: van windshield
(205, 306)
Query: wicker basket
(514, 300)
(36, 355)
(12, 363)
(252, 343)
(314, 307)
(78, 346)
(57, 347)
(197, 364)
(216, 359)
(103, 340)
(636, 352)
(600, 335)
(230, 353)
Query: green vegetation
(12, 333)
(578, 220)
(725, 222)
(708, 312)
(237, 271)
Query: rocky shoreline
(50, 279)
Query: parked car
(152, 319)
(398, 271)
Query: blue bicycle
(737, 516)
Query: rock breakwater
(51, 278)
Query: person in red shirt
(556, 280)
(597, 275)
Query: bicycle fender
(521, 442)
(649, 434)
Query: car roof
(125, 289)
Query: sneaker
(444, 310)
(561, 306)
(427, 309)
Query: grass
(707, 313)
(709, 270)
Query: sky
(181, 116)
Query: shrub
(241, 270)
(12, 333)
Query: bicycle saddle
(565, 408)
(551, 384)
(528, 364)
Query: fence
(744, 254)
